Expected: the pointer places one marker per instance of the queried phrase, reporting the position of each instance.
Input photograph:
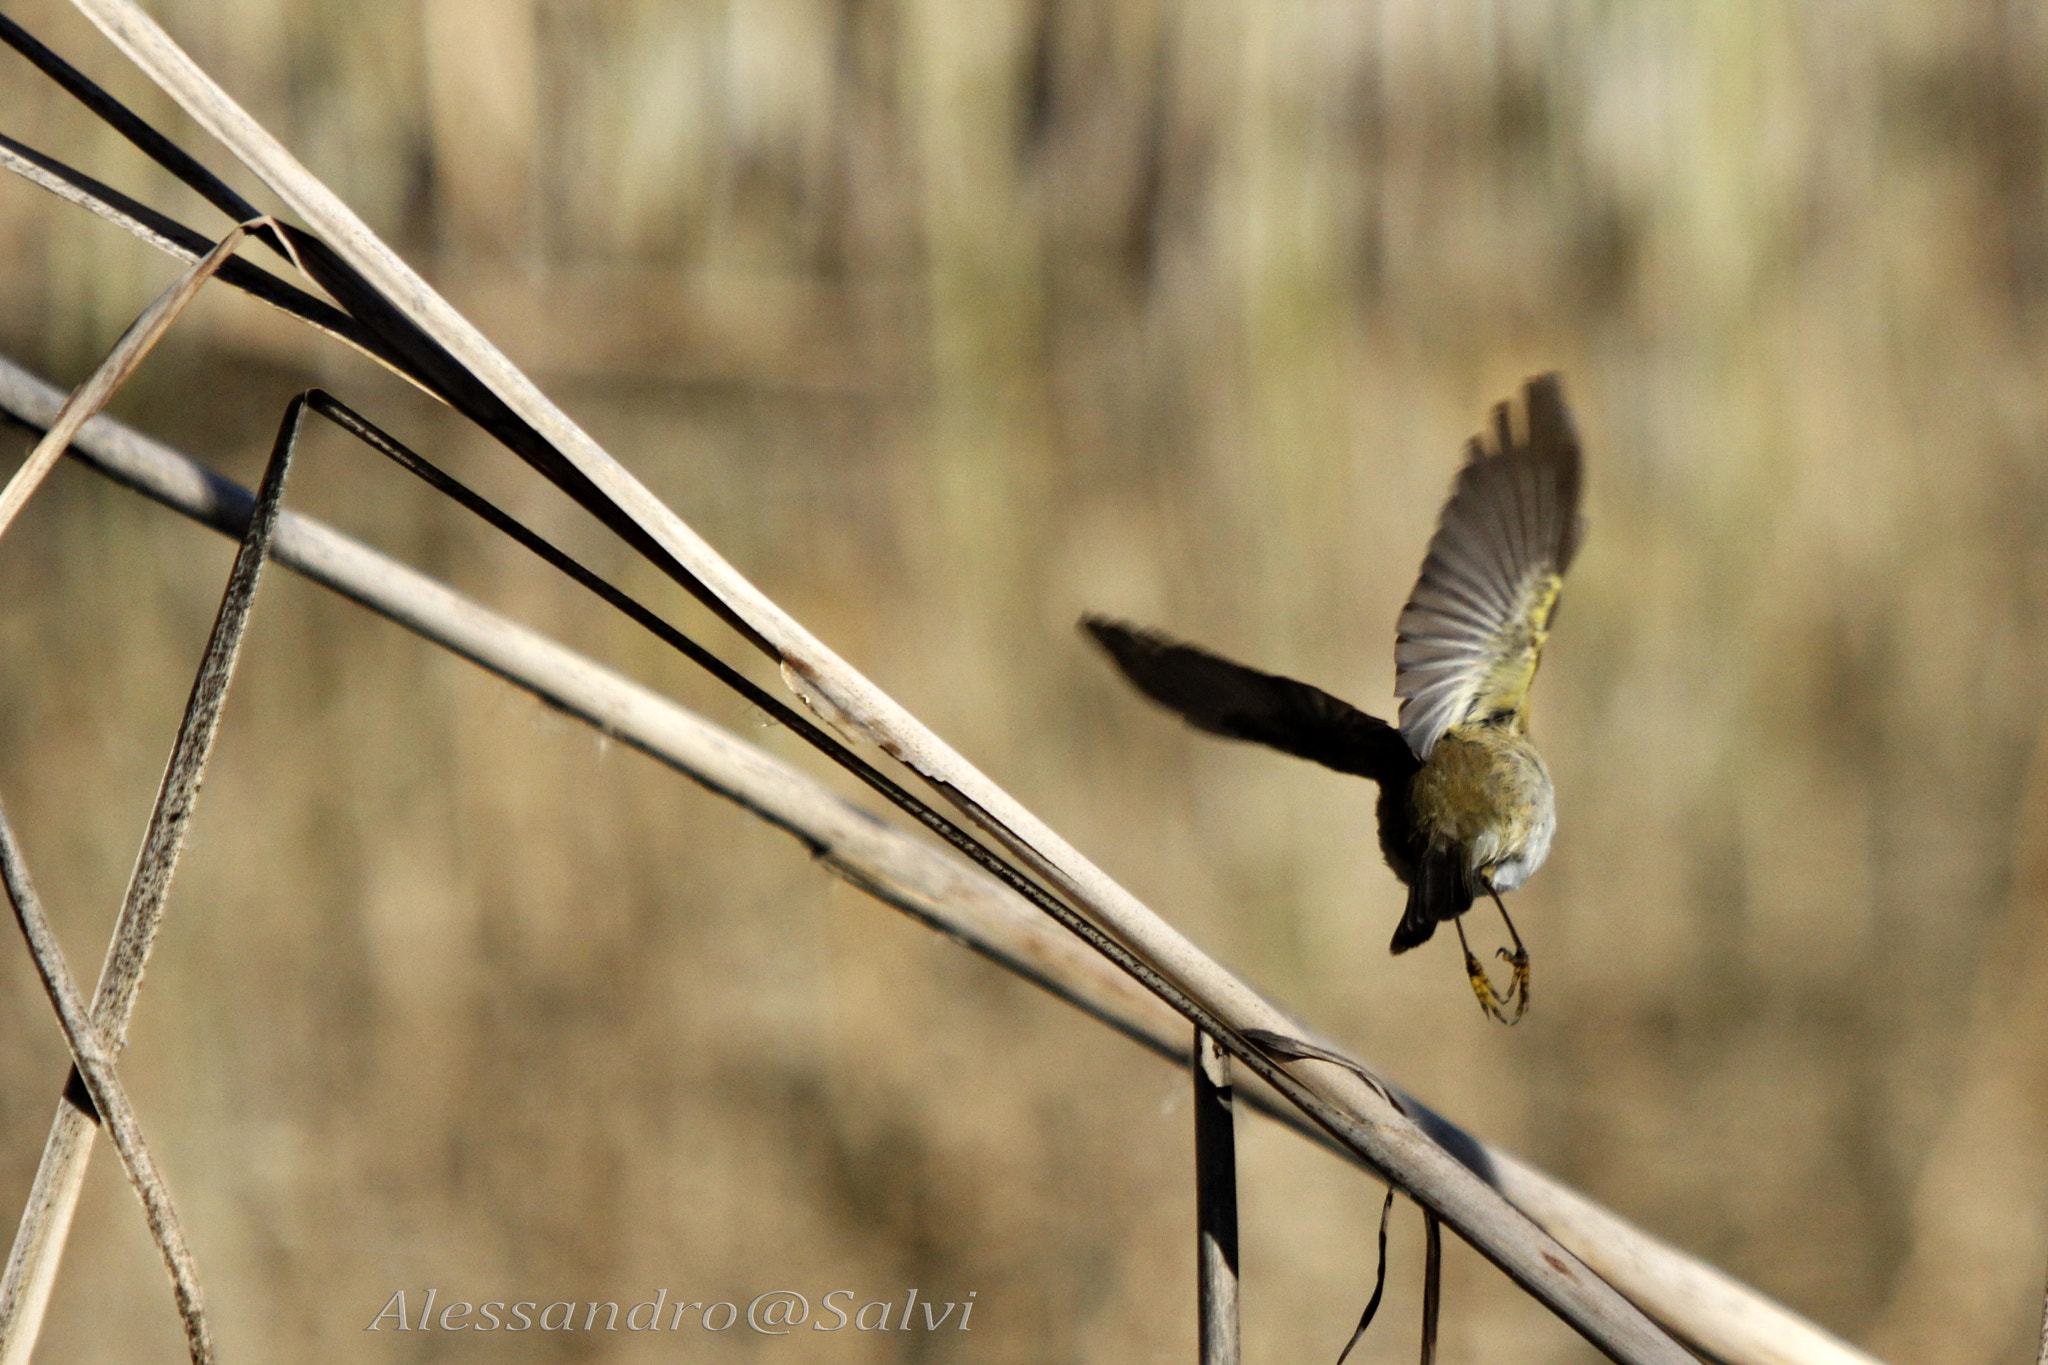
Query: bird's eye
(1499, 717)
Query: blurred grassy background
(947, 322)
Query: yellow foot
(1519, 991)
(1496, 1003)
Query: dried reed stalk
(1716, 1313)
(2042, 1358)
(128, 352)
(95, 1063)
(1432, 1283)
(1215, 1203)
(39, 1240)
(174, 239)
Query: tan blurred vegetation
(947, 322)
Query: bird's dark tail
(1441, 890)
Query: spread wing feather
(1226, 698)
(1473, 630)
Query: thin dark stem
(169, 235)
(1432, 1282)
(1379, 1284)
(128, 124)
(1215, 1203)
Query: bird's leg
(1519, 991)
(1492, 1002)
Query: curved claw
(1518, 991)
(1498, 1003)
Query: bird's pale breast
(1485, 790)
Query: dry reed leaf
(121, 362)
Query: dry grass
(946, 327)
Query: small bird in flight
(1466, 806)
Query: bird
(1466, 806)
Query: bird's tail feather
(1441, 890)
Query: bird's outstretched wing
(1229, 699)
(1473, 630)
